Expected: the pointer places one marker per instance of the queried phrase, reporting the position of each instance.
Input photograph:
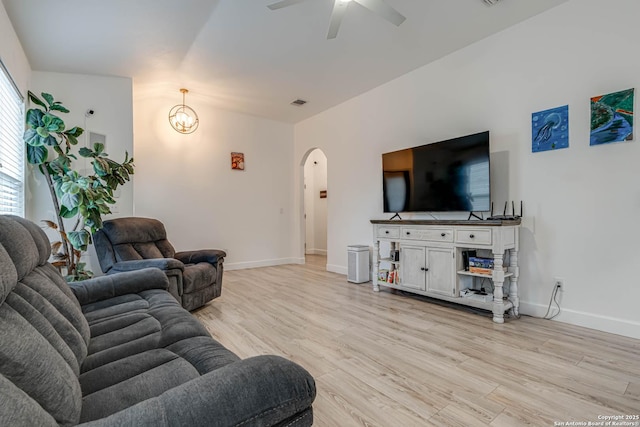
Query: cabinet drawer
(433, 234)
(391, 232)
(478, 236)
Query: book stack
(480, 265)
(389, 276)
(383, 275)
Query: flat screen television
(446, 176)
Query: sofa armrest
(137, 264)
(204, 255)
(259, 391)
(112, 285)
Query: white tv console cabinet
(430, 259)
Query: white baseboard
(610, 324)
(317, 252)
(264, 263)
(337, 269)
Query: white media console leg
(376, 265)
(498, 282)
(513, 287)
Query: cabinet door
(412, 267)
(441, 273)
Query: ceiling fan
(340, 7)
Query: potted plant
(83, 198)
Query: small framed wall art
(550, 129)
(237, 161)
(612, 117)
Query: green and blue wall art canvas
(612, 117)
(550, 129)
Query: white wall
(581, 204)
(12, 54)
(186, 181)
(315, 173)
(110, 98)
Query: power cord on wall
(554, 294)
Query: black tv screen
(451, 175)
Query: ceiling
(241, 56)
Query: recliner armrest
(112, 285)
(262, 390)
(203, 255)
(137, 264)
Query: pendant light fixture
(182, 117)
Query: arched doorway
(314, 215)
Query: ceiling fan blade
(384, 10)
(339, 8)
(283, 3)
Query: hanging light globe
(182, 117)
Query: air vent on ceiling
(299, 102)
(490, 2)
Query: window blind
(11, 146)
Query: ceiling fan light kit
(379, 7)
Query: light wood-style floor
(385, 359)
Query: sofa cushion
(19, 409)
(134, 230)
(141, 346)
(36, 366)
(44, 335)
(142, 250)
(8, 274)
(123, 383)
(138, 238)
(26, 252)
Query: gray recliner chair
(127, 244)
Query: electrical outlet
(559, 282)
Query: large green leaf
(75, 131)
(53, 123)
(70, 201)
(70, 187)
(63, 162)
(42, 131)
(51, 141)
(72, 140)
(98, 147)
(79, 239)
(59, 107)
(32, 138)
(37, 155)
(36, 100)
(94, 219)
(34, 118)
(55, 169)
(85, 152)
(47, 97)
(66, 213)
(101, 167)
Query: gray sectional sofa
(119, 350)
